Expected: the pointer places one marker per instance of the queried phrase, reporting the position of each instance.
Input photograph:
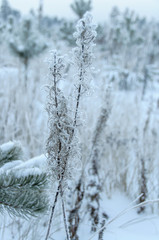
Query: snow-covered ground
(123, 224)
(130, 225)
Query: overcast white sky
(101, 8)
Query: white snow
(36, 162)
(7, 146)
(10, 165)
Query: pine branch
(9, 152)
(23, 196)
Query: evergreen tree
(40, 14)
(115, 37)
(80, 7)
(66, 31)
(27, 42)
(5, 9)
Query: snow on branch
(9, 152)
(23, 196)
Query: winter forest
(79, 125)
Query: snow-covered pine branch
(23, 195)
(9, 152)
(22, 188)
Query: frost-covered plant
(60, 124)
(83, 55)
(75, 211)
(94, 186)
(80, 7)
(60, 143)
(143, 182)
(85, 36)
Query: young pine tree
(80, 7)
(26, 43)
(5, 10)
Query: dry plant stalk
(63, 128)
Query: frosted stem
(64, 216)
(52, 212)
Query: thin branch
(64, 217)
(52, 212)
